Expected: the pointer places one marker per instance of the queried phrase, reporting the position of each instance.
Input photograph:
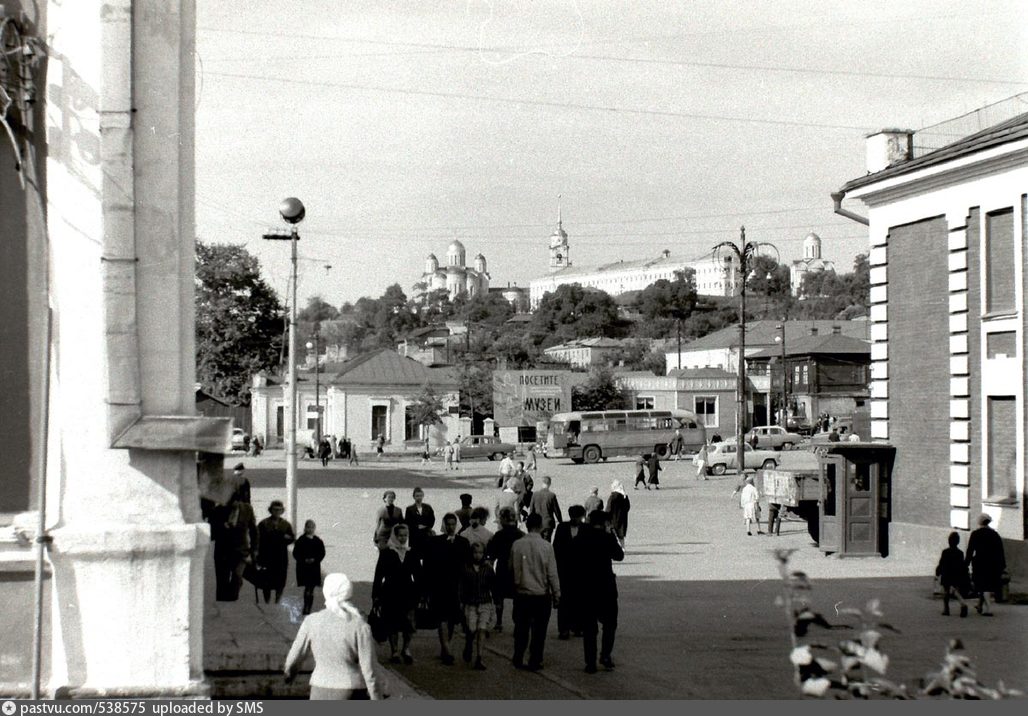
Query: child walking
(750, 500)
(476, 594)
(952, 574)
(640, 472)
(448, 456)
(308, 551)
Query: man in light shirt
(536, 592)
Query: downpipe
(837, 197)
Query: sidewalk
(245, 646)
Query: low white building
(365, 397)
(583, 352)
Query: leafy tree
(574, 312)
(490, 310)
(239, 321)
(638, 355)
(669, 299)
(516, 351)
(317, 310)
(476, 389)
(600, 391)
(427, 407)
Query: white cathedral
(810, 263)
(455, 277)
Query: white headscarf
(395, 544)
(616, 486)
(338, 590)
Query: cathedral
(455, 277)
(810, 263)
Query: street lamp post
(785, 376)
(317, 384)
(744, 252)
(292, 212)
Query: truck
(796, 485)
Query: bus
(593, 436)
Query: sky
(404, 125)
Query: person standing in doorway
(536, 592)
(274, 535)
(309, 552)
(596, 547)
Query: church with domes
(455, 277)
(810, 263)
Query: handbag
(379, 629)
(424, 616)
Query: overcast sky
(402, 125)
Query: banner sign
(526, 397)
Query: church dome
(455, 253)
(812, 246)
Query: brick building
(948, 286)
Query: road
(697, 612)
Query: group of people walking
(459, 580)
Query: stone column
(129, 545)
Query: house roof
(835, 344)
(714, 372)
(585, 343)
(1002, 133)
(672, 262)
(763, 333)
(387, 367)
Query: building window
(1001, 479)
(280, 421)
(312, 416)
(999, 262)
(706, 410)
(379, 421)
(411, 426)
(644, 402)
(805, 375)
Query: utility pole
(679, 344)
(744, 252)
(317, 382)
(292, 212)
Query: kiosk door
(860, 535)
(831, 505)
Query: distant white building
(583, 352)
(455, 277)
(714, 276)
(810, 263)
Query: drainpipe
(837, 197)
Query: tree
(426, 407)
(317, 310)
(239, 321)
(638, 354)
(600, 391)
(575, 312)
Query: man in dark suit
(544, 504)
(594, 550)
(420, 518)
(563, 551)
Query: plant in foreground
(855, 667)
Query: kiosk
(854, 507)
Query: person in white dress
(750, 500)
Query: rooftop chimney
(888, 147)
(813, 330)
(836, 330)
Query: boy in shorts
(476, 594)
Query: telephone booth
(856, 489)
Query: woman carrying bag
(396, 591)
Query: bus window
(667, 423)
(558, 427)
(574, 428)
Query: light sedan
(722, 457)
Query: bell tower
(559, 249)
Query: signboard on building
(527, 397)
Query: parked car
(239, 439)
(722, 457)
(773, 436)
(484, 446)
(801, 426)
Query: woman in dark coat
(274, 535)
(985, 555)
(309, 551)
(654, 469)
(396, 590)
(618, 507)
(388, 516)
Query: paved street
(697, 614)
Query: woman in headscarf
(388, 516)
(617, 507)
(344, 652)
(396, 590)
(987, 561)
(274, 535)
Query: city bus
(593, 436)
